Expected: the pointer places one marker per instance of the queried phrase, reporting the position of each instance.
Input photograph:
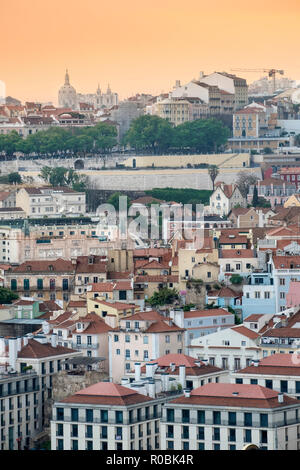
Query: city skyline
(141, 49)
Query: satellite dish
(296, 97)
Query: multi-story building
(142, 337)
(230, 348)
(37, 361)
(224, 198)
(290, 174)
(230, 83)
(220, 416)
(259, 296)
(278, 372)
(273, 190)
(106, 416)
(47, 280)
(284, 269)
(199, 323)
(233, 262)
(19, 398)
(51, 201)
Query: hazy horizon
(141, 47)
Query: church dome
(67, 96)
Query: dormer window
(28, 268)
(50, 267)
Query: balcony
(84, 346)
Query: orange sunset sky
(141, 46)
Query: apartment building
(237, 261)
(19, 395)
(279, 372)
(273, 190)
(112, 310)
(40, 360)
(199, 323)
(142, 337)
(231, 348)
(221, 416)
(284, 269)
(51, 201)
(46, 280)
(230, 83)
(259, 295)
(106, 416)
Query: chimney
(280, 397)
(165, 381)
(19, 343)
(255, 362)
(125, 381)
(182, 375)
(54, 340)
(151, 389)
(198, 363)
(201, 75)
(137, 370)
(150, 370)
(2, 345)
(172, 366)
(187, 393)
(13, 352)
(177, 83)
(25, 340)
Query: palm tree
(213, 172)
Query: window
(247, 419)
(89, 416)
(253, 381)
(167, 338)
(185, 416)
(116, 338)
(170, 415)
(74, 414)
(248, 435)
(263, 420)
(232, 437)
(283, 386)
(216, 434)
(104, 417)
(232, 419)
(60, 414)
(269, 384)
(201, 417)
(217, 417)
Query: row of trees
(61, 176)
(156, 135)
(100, 138)
(147, 133)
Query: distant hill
(10, 101)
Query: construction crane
(271, 72)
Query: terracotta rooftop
(235, 395)
(107, 393)
(35, 349)
(211, 312)
(242, 330)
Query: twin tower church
(69, 98)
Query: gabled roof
(211, 312)
(242, 330)
(193, 366)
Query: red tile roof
(58, 265)
(35, 349)
(111, 286)
(107, 393)
(238, 253)
(211, 312)
(191, 364)
(253, 317)
(242, 330)
(235, 395)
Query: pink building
(293, 295)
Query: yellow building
(292, 201)
(105, 308)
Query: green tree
(7, 295)
(14, 178)
(150, 133)
(201, 136)
(255, 197)
(163, 296)
(236, 279)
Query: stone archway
(79, 165)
